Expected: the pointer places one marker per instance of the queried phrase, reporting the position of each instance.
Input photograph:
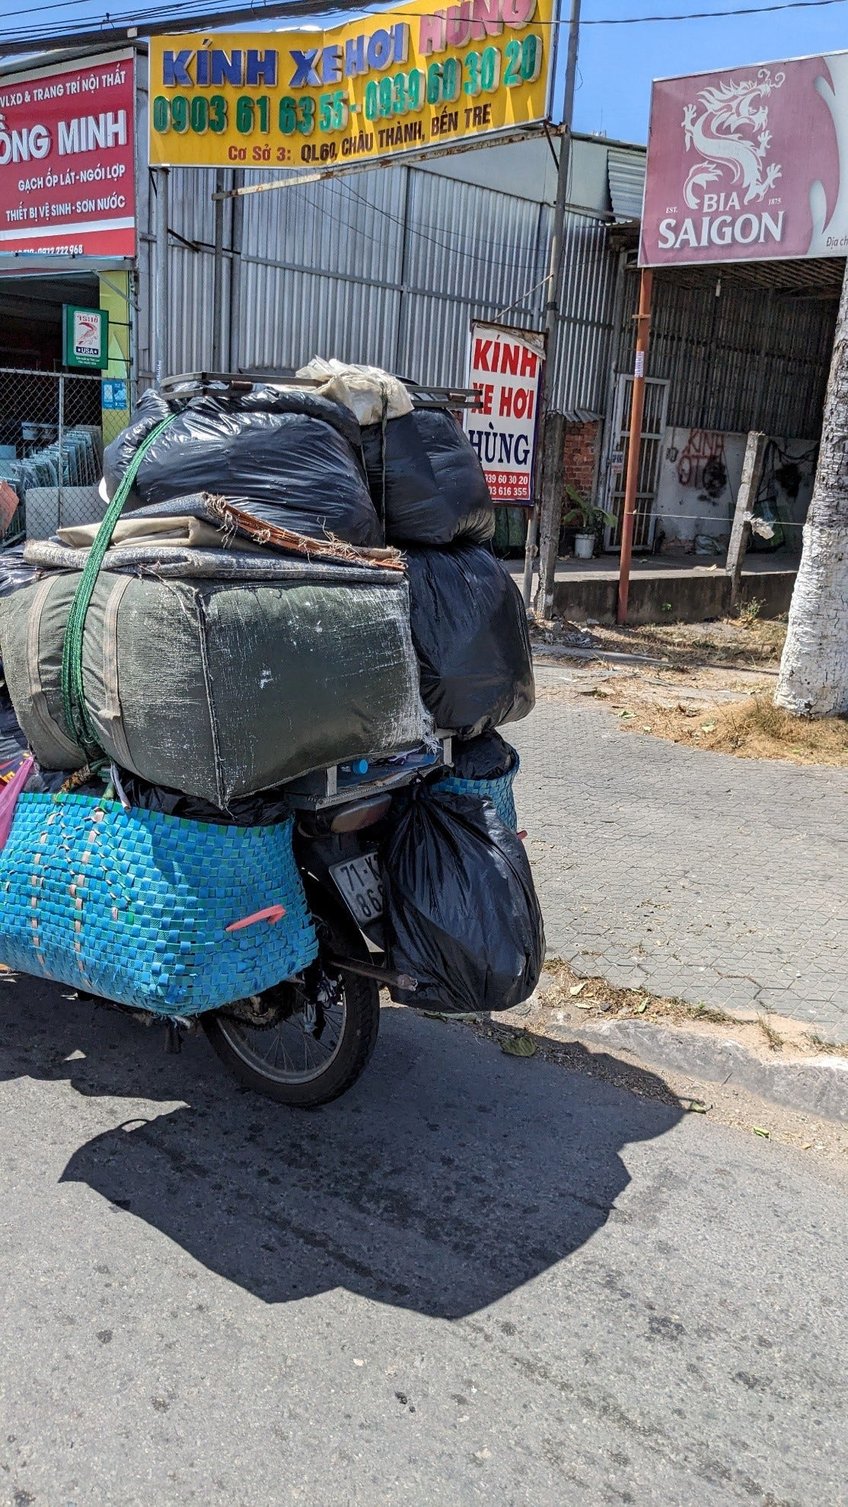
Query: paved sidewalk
(723, 881)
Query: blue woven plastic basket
(499, 792)
(133, 906)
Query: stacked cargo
(287, 576)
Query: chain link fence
(53, 427)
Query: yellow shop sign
(397, 81)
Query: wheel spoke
(286, 1052)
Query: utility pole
(549, 462)
(161, 271)
(634, 441)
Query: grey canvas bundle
(215, 688)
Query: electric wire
(137, 19)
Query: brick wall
(579, 454)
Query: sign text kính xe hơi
(506, 369)
(418, 76)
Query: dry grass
(569, 999)
(746, 642)
(753, 728)
(772, 1036)
(561, 986)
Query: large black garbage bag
(462, 917)
(488, 757)
(469, 628)
(291, 458)
(426, 480)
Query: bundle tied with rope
(198, 685)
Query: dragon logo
(728, 129)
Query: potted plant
(587, 519)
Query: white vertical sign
(506, 368)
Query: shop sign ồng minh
(67, 160)
(750, 164)
(417, 76)
(506, 369)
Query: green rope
(77, 720)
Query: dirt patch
(748, 641)
(568, 997)
(753, 728)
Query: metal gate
(653, 438)
(51, 449)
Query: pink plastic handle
(272, 913)
(9, 798)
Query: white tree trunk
(814, 669)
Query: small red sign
(67, 160)
(506, 369)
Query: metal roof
(626, 175)
(813, 277)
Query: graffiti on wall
(702, 463)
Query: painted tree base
(813, 678)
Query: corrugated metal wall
(390, 266)
(739, 358)
(387, 267)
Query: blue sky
(617, 63)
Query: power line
(708, 15)
(201, 11)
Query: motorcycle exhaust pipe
(383, 976)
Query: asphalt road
(475, 1279)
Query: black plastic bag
(263, 810)
(469, 628)
(488, 757)
(426, 480)
(14, 571)
(462, 916)
(291, 458)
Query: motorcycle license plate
(360, 886)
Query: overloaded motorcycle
(307, 1040)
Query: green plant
(750, 611)
(583, 513)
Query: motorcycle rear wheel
(297, 1060)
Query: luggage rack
(334, 786)
(423, 395)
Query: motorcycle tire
(240, 1047)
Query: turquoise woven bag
(134, 906)
(498, 791)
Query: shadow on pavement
(448, 1177)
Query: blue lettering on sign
(261, 67)
(305, 72)
(354, 57)
(175, 74)
(217, 66)
(331, 65)
(113, 394)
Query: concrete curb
(817, 1086)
